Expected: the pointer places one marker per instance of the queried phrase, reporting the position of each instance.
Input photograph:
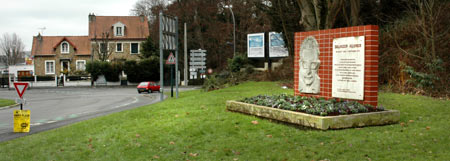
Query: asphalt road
(56, 107)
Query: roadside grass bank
(197, 127)
(6, 102)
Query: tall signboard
(255, 45)
(277, 47)
(197, 64)
(168, 40)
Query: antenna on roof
(42, 30)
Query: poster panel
(255, 45)
(277, 46)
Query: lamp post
(234, 28)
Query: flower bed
(317, 113)
(310, 105)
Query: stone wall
(39, 64)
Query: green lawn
(6, 102)
(197, 127)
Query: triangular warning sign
(170, 59)
(21, 87)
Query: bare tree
(149, 8)
(427, 17)
(102, 47)
(323, 14)
(12, 46)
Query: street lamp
(234, 28)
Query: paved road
(55, 107)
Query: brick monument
(338, 63)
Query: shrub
(79, 73)
(111, 71)
(236, 63)
(211, 83)
(144, 70)
(93, 67)
(232, 76)
(311, 105)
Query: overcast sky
(59, 17)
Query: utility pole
(177, 81)
(161, 66)
(185, 56)
(234, 28)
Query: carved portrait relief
(309, 80)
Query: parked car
(147, 87)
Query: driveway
(55, 107)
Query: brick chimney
(91, 17)
(39, 37)
(142, 17)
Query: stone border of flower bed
(318, 122)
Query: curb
(7, 107)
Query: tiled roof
(136, 27)
(47, 44)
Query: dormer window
(119, 29)
(65, 47)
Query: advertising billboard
(277, 47)
(255, 45)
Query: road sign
(197, 63)
(168, 40)
(21, 87)
(170, 59)
(197, 59)
(21, 121)
(197, 66)
(198, 54)
(198, 51)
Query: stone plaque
(348, 68)
(309, 80)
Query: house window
(134, 48)
(49, 67)
(119, 31)
(103, 48)
(65, 47)
(81, 65)
(119, 47)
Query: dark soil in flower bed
(311, 105)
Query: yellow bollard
(21, 120)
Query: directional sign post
(21, 117)
(197, 63)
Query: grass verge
(6, 102)
(197, 127)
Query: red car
(147, 87)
